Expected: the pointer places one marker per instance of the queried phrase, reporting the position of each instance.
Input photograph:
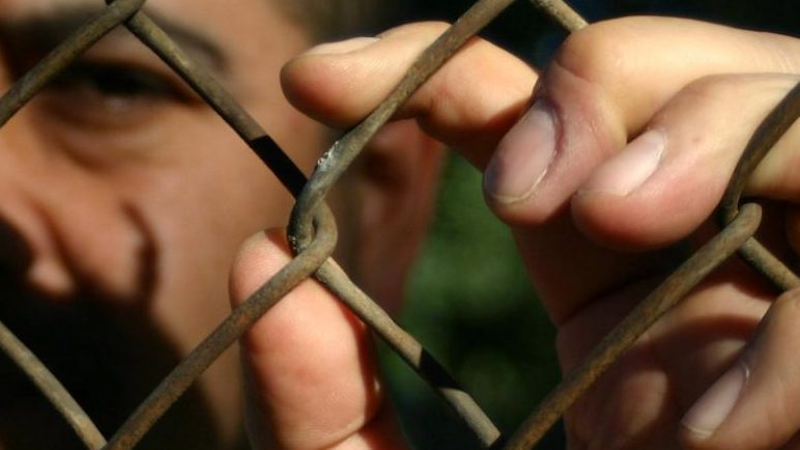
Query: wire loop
(313, 234)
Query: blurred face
(123, 199)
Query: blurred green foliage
(471, 304)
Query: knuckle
(599, 53)
(713, 87)
(726, 87)
(426, 29)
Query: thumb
(754, 404)
(311, 380)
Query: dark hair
(334, 19)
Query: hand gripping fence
(312, 234)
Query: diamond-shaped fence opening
(313, 235)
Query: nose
(64, 226)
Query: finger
(605, 84)
(638, 403)
(311, 379)
(667, 181)
(469, 104)
(753, 404)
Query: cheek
(199, 211)
(202, 198)
(299, 136)
(210, 195)
(213, 199)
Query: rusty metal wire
(313, 235)
(51, 388)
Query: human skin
(120, 186)
(172, 215)
(124, 199)
(649, 118)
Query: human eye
(108, 110)
(114, 82)
(112, 94)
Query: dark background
(469, 301)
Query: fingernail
(631, 167)
(342, 47)
(715, 405)
(523, 156)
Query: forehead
(245, 23)
(190, 9)
(252, 37)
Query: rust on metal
(312, 233)
(777, 122)
(665, 296)
(52, 389)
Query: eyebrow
(34, 36)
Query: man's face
(123, 199)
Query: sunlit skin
(123, 207)
(125, 200)
(642, 141)
(105, 186)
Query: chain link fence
(312, 234)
